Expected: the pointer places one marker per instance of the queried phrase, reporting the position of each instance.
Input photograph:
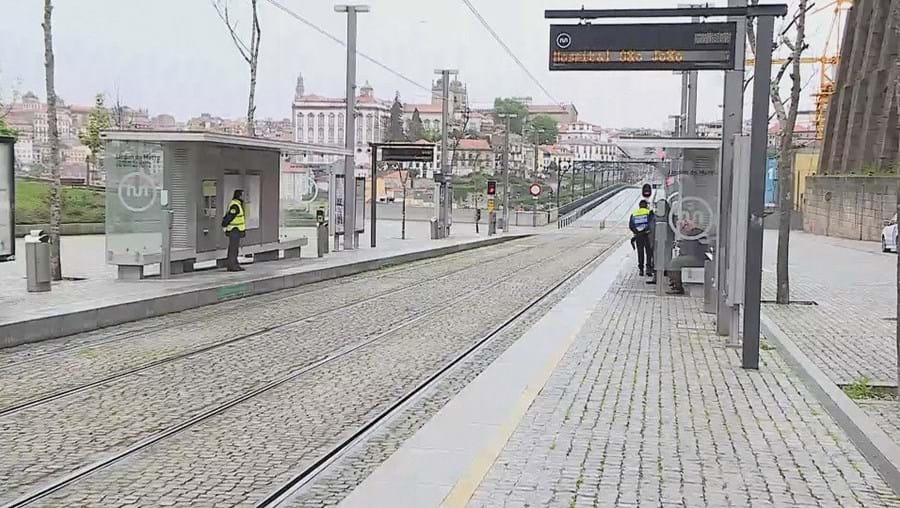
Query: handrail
(569, 218)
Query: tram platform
(620, 397)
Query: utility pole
(505, 215)
(443, 199)
(558, 184)
(732, 125)
(351, 240)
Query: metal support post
(350, 235)
(758, 147)
(505, 216)
(732, 124)
(685, 85)
(165, 264)
(691, 121)
(374, 188)
(443, 198)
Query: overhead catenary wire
(340, 41)
(509, 51)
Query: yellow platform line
(465, 487)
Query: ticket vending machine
(7, 199)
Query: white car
(889, 236)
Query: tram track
(30, 403)
(308, 474)
(307, 367)
(257, 301)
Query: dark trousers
(234, 242)
(644, 251)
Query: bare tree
(53, 131)
(250, 53)
(457, 136)
(787, 121)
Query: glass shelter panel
(692, 193)
(304, 193)
(7, 191)
(133, 211)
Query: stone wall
(849, 206)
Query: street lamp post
(349, 205)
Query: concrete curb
(875, 445)
(61, 325)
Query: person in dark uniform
(235, 225)
(640, 225)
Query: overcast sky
(175, 56)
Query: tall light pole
(443, 200)
(507, 117)
(351, 240)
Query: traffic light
(492, 187)
(646, 190)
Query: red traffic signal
(646, 190)
(492, 187)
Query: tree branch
(221, 7)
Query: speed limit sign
(535, 190)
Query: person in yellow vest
(235, 224)
(640, 225)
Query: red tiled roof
(423, 108)
(473, 144)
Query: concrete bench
(182, 260)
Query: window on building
(370, 128)
(322, 128)
(300, 127)
(340, 128)
(310, 128)
(359, 126)
(331, 128)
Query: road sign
(491, 205)
(424, 153)
(535, 190)
(664, 46)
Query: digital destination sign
(663, 46)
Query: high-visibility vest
(238, 222)
(641, 218)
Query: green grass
(862, 389)
(79, 205)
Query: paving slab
(77, 306)
(646, 407)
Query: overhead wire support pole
(350, 132)
(758, 151)
(443, 200)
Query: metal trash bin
(37, 261)
(435, 234)
(322, 239)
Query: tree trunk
(254, 61)
(785, 166)
(53, 128)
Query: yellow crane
(828, 62)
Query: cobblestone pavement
(854, 285)
(242, 451)
(649, 409)
(101, 354)
(340, 479)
